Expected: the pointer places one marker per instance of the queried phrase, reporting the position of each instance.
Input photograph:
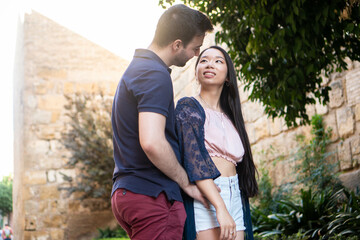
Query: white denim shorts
(206, 218)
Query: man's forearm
(163, 157)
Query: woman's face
(212, 68)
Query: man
(7, 232)
(146, 198)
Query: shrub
(89, 141)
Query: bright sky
(104, 22)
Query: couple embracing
(182, 172)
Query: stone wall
(54, 62)
(272, 141)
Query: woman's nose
(209, 64)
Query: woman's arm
(211, 192)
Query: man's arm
(159, 151)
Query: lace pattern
(190, 119)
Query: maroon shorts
(146, 218)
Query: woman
(216, 152)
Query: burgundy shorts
(146, 218)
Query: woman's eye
(203, 60)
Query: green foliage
(89, 140)
(281, 47)
(300, 236)
(6, 195)
(117, 233)
(325, 210)
(314, 167)
(319, 215)
(347, 220)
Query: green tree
(88, 138)
(281, 47)
(6, 196)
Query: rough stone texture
(261, 128)
(353, 87)
(55, 62)
(336, 94)
(345, 159)
(345, 121)
(357, 112)
(351, 179)
(79, 225)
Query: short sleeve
(190, 128)
(153, 91)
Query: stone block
(31, 192)
(251, 132)
(356, 160)
(86, 87)
(344, 155)
(183, 80)
(68, 88)
(330, 122)
(31, 207)
(30, 101)
(55, 115)
(37, 235)
(49, 73)
(285, 172)
(336, 94)
(35, 177)
(37, 147)
(64, 174)
(355, 144)
(244, 94)
(357, 112)
(332, 157)
(83, 226)
(51, 102)
(310, 110)
(353, 87)
(321, 109)
(261, 128)
(351, 179)
(49, 192)
(252, 111)
(345, 121)
(53, 221)
(30, 223)
(57, 234)
(49, 132)
(41, 117)
(275, 126)
(43, 87)
(51, 176)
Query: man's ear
(176, 45)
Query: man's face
(191, 50)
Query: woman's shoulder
(189, 106)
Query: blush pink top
(221, 137)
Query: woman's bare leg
(210, 234)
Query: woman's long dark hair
(230, 104)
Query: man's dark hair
(181, 22)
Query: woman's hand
(227, 224)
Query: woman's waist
(225, 167)
(231, 181)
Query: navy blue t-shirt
(145, 86)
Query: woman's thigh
(214, 234)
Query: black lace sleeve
(190, 128)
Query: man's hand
(193, 191)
